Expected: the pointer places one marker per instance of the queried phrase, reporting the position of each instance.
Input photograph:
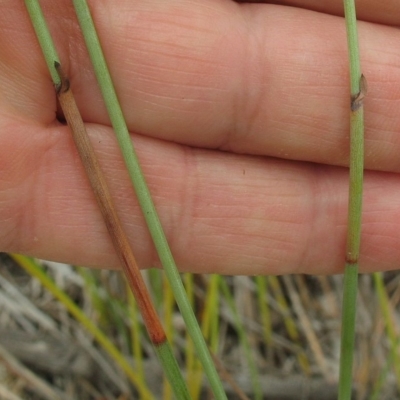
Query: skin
(240, 116)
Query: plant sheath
(118, 236)
(107, 208)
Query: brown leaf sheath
(104, 200)
(357, 101)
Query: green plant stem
(357, 89)
(135, 333)
(119, 238)
(348, 332)
(168, 311)
(143, 193)
(44, 38)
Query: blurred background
(273, 338)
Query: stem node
(357, 100)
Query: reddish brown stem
(104, 200)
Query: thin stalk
(244, 340)
(154, 279)
(107, 208)
(265, 316)
(109, 309)
(211, 312)
(305, 324)
(143, 193)
(388, 317)
(169, 303)
(209, 328)
(358, 91)
(43, 36)
(119, 238)
(288, 320)
(194, 370)
(135, 335)
(376, 392)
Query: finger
(225, 213)
(265, 79)
(383, 12)
(274, 84)
(275, 97)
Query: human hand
(240, 116)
